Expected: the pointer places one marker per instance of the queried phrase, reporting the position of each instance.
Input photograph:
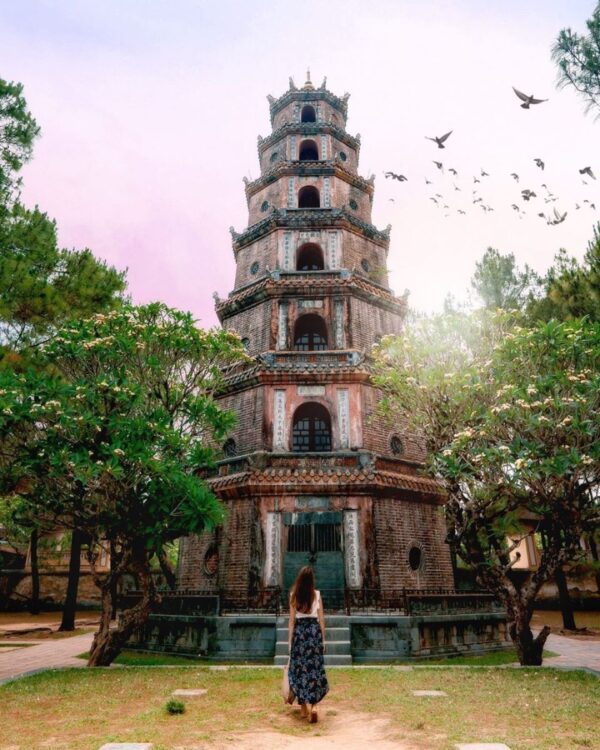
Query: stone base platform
(367, 638)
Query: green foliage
(43, 286)
(111, 439)
(499, 283)
(572, 289)
(578, 59)
(18, 130)
(174, 706)
(511, 417)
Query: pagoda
(310, 474)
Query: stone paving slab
(189, 692)
(127, 746)
(48, 654)
(429, 693)
(219, 668)
(482, 746)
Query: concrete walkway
(52, 654)
(574, 653)
(49, 654)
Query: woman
(305, 639)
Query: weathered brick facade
(309, 472)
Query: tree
(42, 286)
(18, 131)
(499, 283)
(572, 289)
(578, 59)
(511, 419)
(112, 445)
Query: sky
(150, 111)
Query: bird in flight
(558, 218)
(478, 200)
(453, 171)
(460, 211)
(434, 200)
(527, 100)
(588, 171)
(439, 165)
(428, 182)
(392, 199)
(476, 180)
(484, 173)
(540, 164)
(456, 188)
(528, 194)
(515, 176)
(515, 207)
(440, 140)
(577, 206)
(394, 176)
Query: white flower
(446, 452)
(504, 448)
(531, 391)
(119, 452)
(520, 463)
(566, 422)
(586, 460)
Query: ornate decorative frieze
(311, 390)
(287, 260)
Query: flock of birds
(552, 217)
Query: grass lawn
(81, 709)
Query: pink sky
(150, 113)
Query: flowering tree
(511, 418)
(112, 443)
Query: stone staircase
(337, 641)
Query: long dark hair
(302, 594)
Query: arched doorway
(310, 333)
(308, 197)
(311, 429)
(308, 114)
(309, 151)
(309, 258)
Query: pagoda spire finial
(308, 86)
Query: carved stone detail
(332, 250)
(324, 147)
(326, 192)
(273, 550)
(282, 330)
(343, 417)
(351, 549)
(291, 196)
(279, 441)
(338, 324)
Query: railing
(274, 601)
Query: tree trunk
(594, 551)
(70, 606)
(34, 604)
(167, 570)
(108, 642)
(566, 605)
(529, 649)
(114, 584)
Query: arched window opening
(311, 429)
(310, 258)
(308, 197)
(310, 334)
(309, 151)
(308, 114)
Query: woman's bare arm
(322, 619)
(291, 626)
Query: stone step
(331, 633)
(331, 660)
(333, 647)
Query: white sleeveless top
(314, 609)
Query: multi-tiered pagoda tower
(309, 474)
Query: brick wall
(400, 524)
(248, 407)
(192, 553)
(238, 540)
(368, 322)
(377, 434)
(254, 324)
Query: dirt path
(335, 730)
(44, 655)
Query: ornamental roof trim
(308, 128)
(313, 481)
(277, 283)
(307, 95)
(309, 217)
(311, 168)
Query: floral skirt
(307, 671)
